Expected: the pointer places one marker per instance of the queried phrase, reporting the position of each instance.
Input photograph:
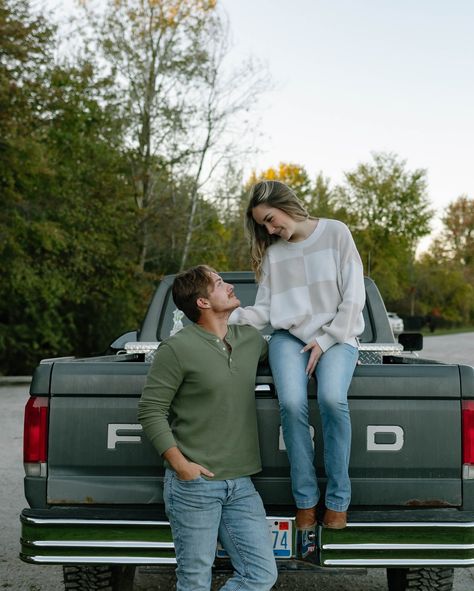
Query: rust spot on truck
(428, 503)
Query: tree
(25, 52)
(388, 211)
(66, 223)
(90, 201)
(232, 194)
(321, 203)
(457, 237)
(293, 175)
(387, 199)
(167, 57)
(449, 281)
(443, 288)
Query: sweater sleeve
(161, 385)
(348, 321)
(257, 315)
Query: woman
(311, 290)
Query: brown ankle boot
(335, 519)
(306, 518)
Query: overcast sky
(354, 77)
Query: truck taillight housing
(468, 438)
(35, 436)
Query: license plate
(281, 531)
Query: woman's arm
(348, 321)
(257, 315)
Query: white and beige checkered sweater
(313, 288)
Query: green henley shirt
(200, 397)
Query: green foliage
(320, 202)
(457, 238)
(67, 220)
(445, 274)
(386, 199)
(387, 208)
(443, 288)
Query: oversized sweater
(313, 288)
(200, 397)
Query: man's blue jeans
(334, 373)
(201, 511)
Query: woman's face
(274, 220)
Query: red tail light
(35, 433)
(468, 432)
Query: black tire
(103, 577)
(421, 579)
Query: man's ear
(203, 303)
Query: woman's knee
(333, 405)
(293, 409)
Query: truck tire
(103, 577)
(422, 579)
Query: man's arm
(161, 386)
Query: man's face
(221, 295)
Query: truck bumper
(400, 544)
(410, 538)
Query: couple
(311, 290)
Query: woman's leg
(288, 367)
(334, 374)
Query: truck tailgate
(406, 445)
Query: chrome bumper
(363, 544)
(398, 544)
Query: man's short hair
(190, 285)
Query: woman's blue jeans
(334, 372)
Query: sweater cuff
(325, 342)
(234, 318)
(164, 442)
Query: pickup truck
(94, 483)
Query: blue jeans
(334, 373)
(201, 511)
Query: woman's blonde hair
(274, 194)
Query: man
(204, 378)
